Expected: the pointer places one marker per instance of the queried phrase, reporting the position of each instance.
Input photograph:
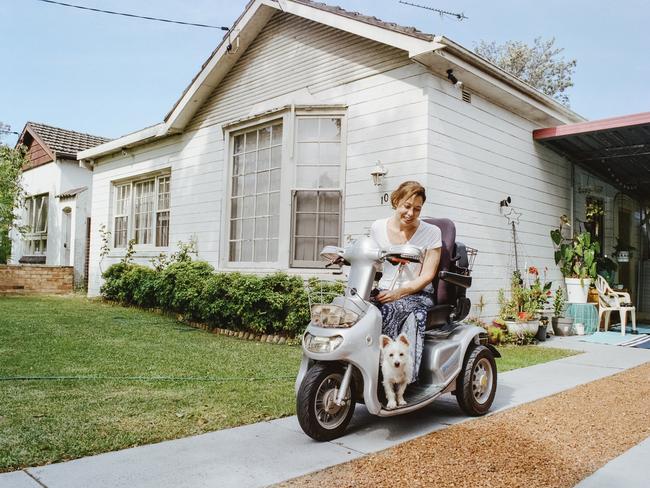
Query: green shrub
(113, 285)
(276, 303)
(179, 284)
(140, 285)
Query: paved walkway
(269, 452)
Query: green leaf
(556, 236)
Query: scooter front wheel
(318, 414)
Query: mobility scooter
(341, 346)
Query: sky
(108, 75)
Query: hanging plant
(594, 209)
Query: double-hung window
(255, 195)
(141, 212)
(36, 235)
(316, 197)
(285, 191)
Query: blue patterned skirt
(394, 315)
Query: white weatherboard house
(267, 156)
(57, 203)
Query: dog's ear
(384, 340)
(403, 339)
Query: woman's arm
(428, 272)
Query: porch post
(572, 203)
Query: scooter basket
(320, 295)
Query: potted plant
(520, 312)
(623, 252)
(593, 210)
(606, 267)
(576, 257)
(561, 325)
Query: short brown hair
(405, 191)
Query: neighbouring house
(58, 197)
(268, 154)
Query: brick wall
(32, 279)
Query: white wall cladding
(55, 178)
(290, 54)
(478, 154)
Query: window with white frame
(313, 191)
(317, 195)
(36, 236)
(255, 194)
(141, 212)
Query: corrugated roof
(615, 149)
(65, 142)
(71, 193)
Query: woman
(413, 291)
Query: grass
(140, 378)
(514, 357)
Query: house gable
(37, 153)
(292, 54)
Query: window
(316, 205)
(141, 212)
(121, 218)
(255, 195)
(36, 236)
(284, 208)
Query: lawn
(81, 377)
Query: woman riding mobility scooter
(341, 347)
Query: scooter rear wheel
(476, 384)
(318, 415)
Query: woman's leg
(394, 315)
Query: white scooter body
(442, 360)
(357, 354)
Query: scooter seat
(438, 316)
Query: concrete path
(269, 452)
(629, 470)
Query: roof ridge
(36, 124)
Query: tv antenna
(460, 16)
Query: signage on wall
(384, 199)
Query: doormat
(640, 328)
(616, 339)
(642, 341)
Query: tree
(11, 194)
(538, 65)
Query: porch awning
(617, 150)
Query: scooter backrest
(445, 292)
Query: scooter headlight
(321, 344)
(332, 316)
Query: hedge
(272, 304)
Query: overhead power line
(169, 21)
(460, 16)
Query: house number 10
(383, 199)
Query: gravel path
(554, 442)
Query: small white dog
(397, 368)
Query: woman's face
(408, 210)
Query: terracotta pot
(592, 297)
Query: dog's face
(395, 353)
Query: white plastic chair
(610, 300)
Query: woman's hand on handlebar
(386, 296)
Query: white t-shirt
(427, 236)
